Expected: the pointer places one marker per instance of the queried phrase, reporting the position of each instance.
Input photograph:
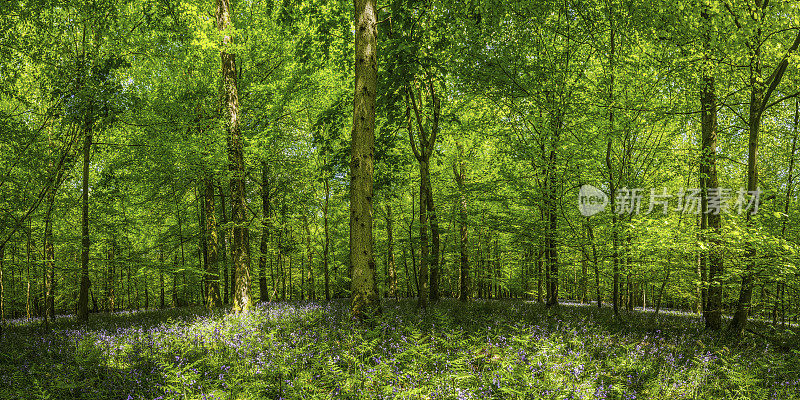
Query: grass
(482, 350)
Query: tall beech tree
(229, 97)
(364, 290)
(761, 91)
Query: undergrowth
(479, 350)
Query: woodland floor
(312, 350)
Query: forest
(416, 199)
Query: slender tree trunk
(612, 188)
(224, 247)
(539, 262)
(551, 232)
(212, 246)
(460, 173)
(391, 276)
(711, 219)
(175, 299)
(311, 282)
(434, 264)
(754, 121)
(83, 297)
(758, 103)
(411, 245)
(161, 277)
(407, 274)
(112, 277)
(265, 214)
(128, 286)
(183, 255)
(584, 278)
(28, 273)
(595, 263)
(49, 249)
(789, 187)
(326, 250)
(424, 256)
(2, 285)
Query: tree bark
(310, 281)
(789, 183)
(708, 180)
(212, 246)
(265, 214)
(434, 222)
(326, 250)
(2, 285)
(460, 173)
(242, 300)
(83, 296)
(161, 277)
(611, 184)
(28, 272)
(112, 281)
(429, 257)
(758, 103)
(364, 284)
(391, 275)
(424, 256)
(224, 247)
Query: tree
(761, 91)
(460, 174)
(212, 245)
(230, 103)
(364, 289)
(709, 183)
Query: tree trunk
(212, 246)
(712, 220)
(2, 285)
(550, 233)
(429, 257)
(411, 243)
(789, 183)
(183, 256)
(230, 100)
(391, 276)
(28, 273)
(424, 257)
(112, 281)
(175, 300)
(265, 214)
(49, 257)
(595, 263)
(611, 184)
(202, 239)
(310, 281)
(326, 250)
(434, 263)
(161, 277)
(363, 284)
(224, 247)
(754, 122)
(83, 296)
(407, 274)
(758, 103)
(460, 173)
